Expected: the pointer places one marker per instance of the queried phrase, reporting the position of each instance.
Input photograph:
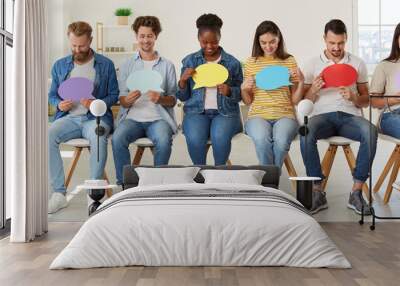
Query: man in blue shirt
(74, 120)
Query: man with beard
(337, 112)
(74, 120)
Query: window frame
(6, 40)
(380, 26)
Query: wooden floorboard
(375, 257)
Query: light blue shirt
(169, 85)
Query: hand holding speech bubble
(337, 75)
(76, 88)
(144, 80)
(210, 75)
(273, 77)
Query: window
(9, 19)
(377, 20)
(6, 44)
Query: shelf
(109, 29)
(116, 26)
(117, 53)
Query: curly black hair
(209, 22)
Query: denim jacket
(105, 84)
(167, 71)
(194, 99)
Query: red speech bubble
(339, 75)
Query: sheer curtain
(26, 123)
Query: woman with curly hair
(211, 113)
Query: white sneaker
(57, 202)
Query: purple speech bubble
(76, 88)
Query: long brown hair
(272, 28)
(395, 52)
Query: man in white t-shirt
(150, 114)
(338, 112)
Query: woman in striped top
(271, 123)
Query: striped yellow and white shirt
(271, 104)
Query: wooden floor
(375, 257)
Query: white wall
(301, 22)
(58, 16)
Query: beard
(336, 53)
(81, 56)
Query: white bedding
(183, 231)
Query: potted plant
(122, 15)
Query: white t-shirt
(384, 80)
(85, 70)
(330, 99)
(210, 101)
(143, 110)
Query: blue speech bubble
(273, 77)
(144, 81)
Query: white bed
(220, 227)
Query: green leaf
(123, 12)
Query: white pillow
(248, 177)
(166, 176)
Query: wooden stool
(142, 144)
(79, 144)
(327, 162)
(392, 164)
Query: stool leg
(351, 161)
(387, 168)
(138, 156)
(392, 178)
(75, 159)
(290, 169)
(327, 163)
(109, 192)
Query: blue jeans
(390, 123)
(70, 127)
(198, 128)
(272, 138)
(128, 131)
(343, 124)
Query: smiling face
(269, 43)
(209, 42)
(335, 44)
(80, 47)
(146, 39)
